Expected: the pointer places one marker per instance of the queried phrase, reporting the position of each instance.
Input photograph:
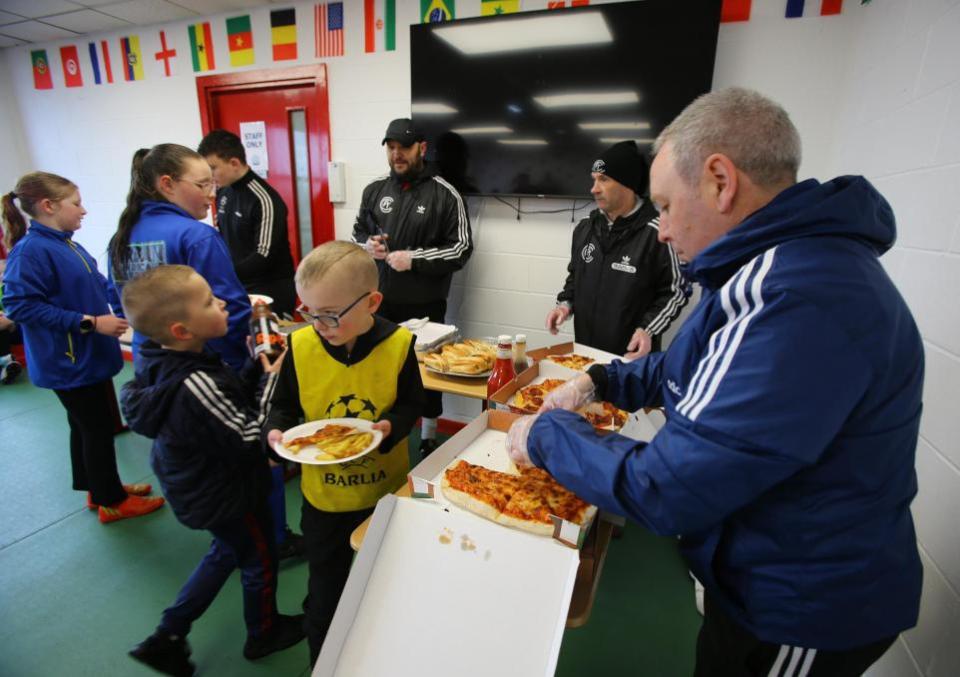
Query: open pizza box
(437, 592)
(482, 442)
(601, 356)
(537, 373)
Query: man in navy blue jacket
(793, 399)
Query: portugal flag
(41, 70)
(240, 38)
(201, 47)
(283, 34)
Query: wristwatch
(87, 325)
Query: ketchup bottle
(267, 338)
(503, 371)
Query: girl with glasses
(170, 191)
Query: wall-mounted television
(522, 104)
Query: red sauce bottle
(267, 338)
(503, 371)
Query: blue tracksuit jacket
(50, 283)
(166, 234)
(793, 398)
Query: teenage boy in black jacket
(205, 423)
(623, 286)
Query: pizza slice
(333, 441)
(523, 501)
(480, 490)
(604, 415)
(572, 361)
(530, 398)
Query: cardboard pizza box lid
(482, 442)
(600, 356)
(432, 591)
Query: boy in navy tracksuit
(208, 459)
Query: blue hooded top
(166, 234)
(793, 400)
(50, 283)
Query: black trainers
(10, 372)
(292, 545)
(166, 654)
(427, 447)
(287, 631)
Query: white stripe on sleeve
(266, 217)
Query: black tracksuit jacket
(426, 216)
(621, 278)
(252, 218)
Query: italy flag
(379, 25)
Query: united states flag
(328, 26)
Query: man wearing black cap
(623, 287)
(415, 224)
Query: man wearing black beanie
(623, 286)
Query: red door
(292, 104)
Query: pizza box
(538, 373)
(437, 592)
(601, 356)
(481, 442)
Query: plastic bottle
(520, 353)
(503, 371)
(267, 339)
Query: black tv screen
(522, 104)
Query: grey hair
(753, 131)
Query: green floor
(75, 595)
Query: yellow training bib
(367, 389)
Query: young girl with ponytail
(170, 190)
(53, 290)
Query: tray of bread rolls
(469, 358)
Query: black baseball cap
(403, 132)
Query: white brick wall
(875, 91)
(900, 126)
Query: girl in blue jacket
(170, 190)
(53, 289)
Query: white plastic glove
(571, 395)
(556, 317)
(376, 247)
(517, 439)
(400, 261)
(640, 344)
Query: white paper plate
(260, 298)
(307, 455)
(455, 374)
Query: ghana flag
(240, 39)
(201, 47)
(283, 34)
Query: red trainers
(140, 489)
(131, 506)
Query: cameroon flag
(240, 39)
(283, 34)
(201, 47)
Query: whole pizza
(523, 501)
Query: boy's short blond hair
(155, 300)
(350, 261)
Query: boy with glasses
(347, 363)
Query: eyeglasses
(326, 319)
(205, 186)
